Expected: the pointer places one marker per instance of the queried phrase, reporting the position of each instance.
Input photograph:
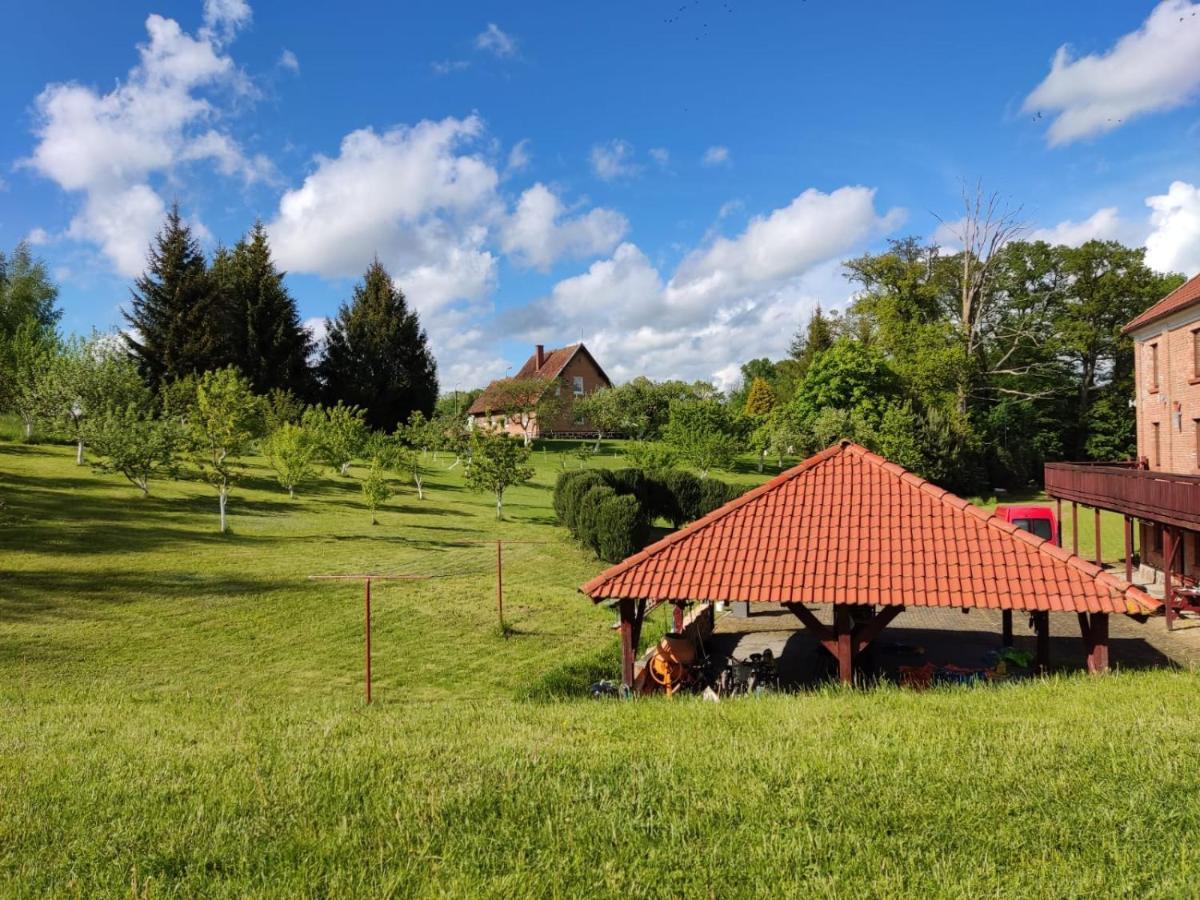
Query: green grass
(183, 717)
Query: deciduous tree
(221, 425)
(497, 463)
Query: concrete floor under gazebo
(943, 636)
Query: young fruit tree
(375, 487)
(340, 433)
(604, 410)
(532, 404)
(289, 451)
(221, 426)
(29, 355)
(88, 377)
(131, 441)
(497, 463)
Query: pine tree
(377, 356)
(180, 326)
(761, 398)
(809, 342)
(271, 345)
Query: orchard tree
(375, 488)
(703, 434)
(603, 410)
(377, 356)
(29, 359)
(531, 403)
(339, 433)
(289, 451)
(497, 463)
(133, 442)
(221, 426)
(86, 378)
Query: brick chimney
(540, 356)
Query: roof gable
(1182, 297)
(846, 526)
(553, 363)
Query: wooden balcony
(1122, 487)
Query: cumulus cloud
(1174, 241)
(716, 156)
(108, 146)
(289, 61)
(447, 66)
(1154, 68)
(613, 160)
(660, 155)
(730, 294)
(497, 42)
(1103, 225)
(519, 156)
(539, 232)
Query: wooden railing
(1121, 487)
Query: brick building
(573, 368)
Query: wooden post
(1099, 559)
(1006, 629)
(843, 627)
(1074, 527)
(1041, 624)
(678, 617)
(500, 588)
(1129, 549)
(1095, 639)
(1058, 518)
(367, 632)
(1168, 586)
(627, 645)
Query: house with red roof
(850, 530)
(1158, 494)
(571, 370)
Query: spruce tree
(179, 323)
(271, 345)
(812, 340)
(377, 356)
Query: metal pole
(500, 589)
(367, 634)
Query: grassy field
(183, 717)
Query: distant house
(575, 370)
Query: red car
(1036, 519)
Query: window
(1154, 367)
(577, 385)
(1040, 527)
(1196, 353)
(1155, 456)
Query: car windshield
(1040, 527)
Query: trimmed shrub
(619, 527)
(714, 494)
(587, 514)
(568, 492)
(685, 490)
(629, 481)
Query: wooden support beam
(678, 617)
(1099, 559)
(1006, 629)
(866, 632)
(1168, 585)
(1074, 527)
(843, 627)
(1041, 625)
(1094, 628)
(1129, 549)
(628, 646)
(1058, 518)
(822, 632)
(639, 616)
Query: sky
(674, 183)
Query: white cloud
(495, 41)
(613, 160)
(288, 60)
(1103, 225)
(660, 155)
(1174, 242)
(716, 156)
(109, 146)
(519, 156)
(539, 233)
(729, 299)
(38, 237)
(447, 66)
(1149, 70)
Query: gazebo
(849, 529)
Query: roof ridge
(719, 513)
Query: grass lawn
(183, 717)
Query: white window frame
(577, 385)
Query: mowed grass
(183, 717)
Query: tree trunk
(499, 505)
(346, 467)
(291, 493)
(373, 522)
(420, 490)
(79, 452)
(144, 485)
(762, 458)
(223, 494)
(29, 429)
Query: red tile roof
(847, 526)
(553, 362)
(1183, 296)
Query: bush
(619, 526)
(629, 481)
(686, 493)
(569, 490)
(714, 494)
(587, 515)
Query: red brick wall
(581, 365)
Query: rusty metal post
(367, 632)
(1099, 557)
(1074, 527)
(1129, 549)
(500, 588)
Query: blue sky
(674, 183)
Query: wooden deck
(1153, 496)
